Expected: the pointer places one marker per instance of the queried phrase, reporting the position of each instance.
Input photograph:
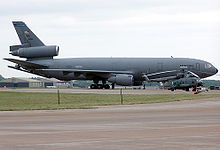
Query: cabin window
(197, 66)
(207, 66)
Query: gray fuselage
(138, 66)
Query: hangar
(26, 82)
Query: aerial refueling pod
(35, 52)
(122, 79)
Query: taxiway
(175, 125)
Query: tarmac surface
(183, 125)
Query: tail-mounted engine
(24, 51)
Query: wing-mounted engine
(35, 52)
(122, 79)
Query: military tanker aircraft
(182, 73)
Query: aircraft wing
(25, 63)
(87, 71)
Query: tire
(99, 86)
(106, 86)
(93, 86)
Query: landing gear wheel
(93, 86)
(99, 86)
(106, 86)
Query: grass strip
(48, 101)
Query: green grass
(38, 101)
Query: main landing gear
(101, 86)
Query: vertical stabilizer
(26, 36)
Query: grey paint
(137, 66)
(98, 68)
(36, 52)
(26, 36)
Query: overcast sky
(116, 28)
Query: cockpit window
(207, 66)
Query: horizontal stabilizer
(26, 63)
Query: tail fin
(26, 36)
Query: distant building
(20, 82)
(27, 82)
(46, 82)
(214, 88)
(209, 83)
(34, 83)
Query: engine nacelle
(36, 52)
(122, 79)
(16, 47)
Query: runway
(168, 126)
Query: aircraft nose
(216, 70)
